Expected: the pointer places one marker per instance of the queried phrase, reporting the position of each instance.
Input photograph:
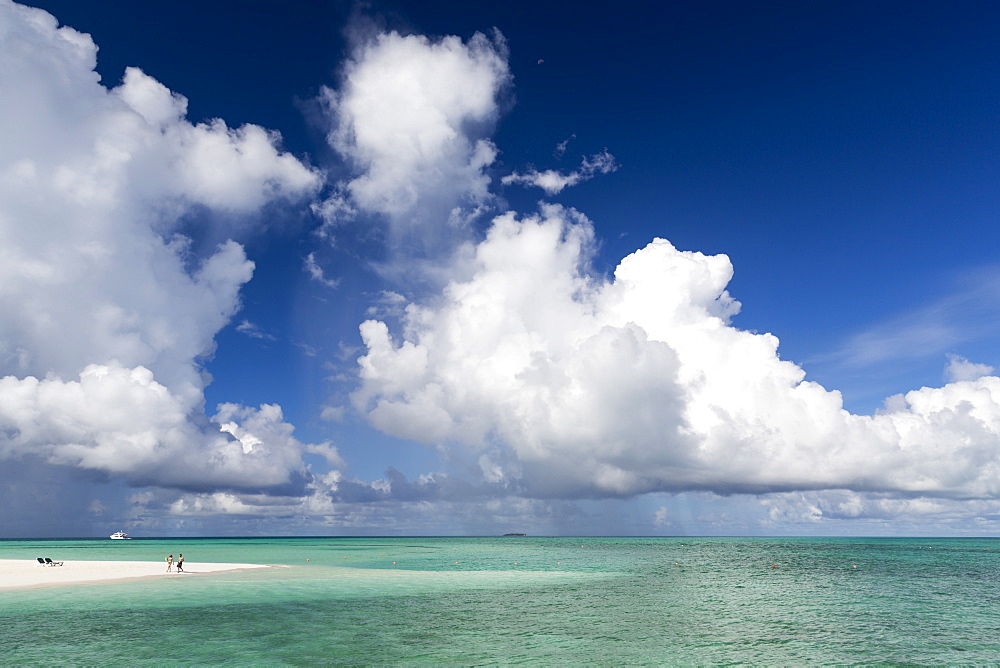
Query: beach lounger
(41, 562)
(49, 562)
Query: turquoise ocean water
(535, 601)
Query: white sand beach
(26, 574)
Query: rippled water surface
(538, 601)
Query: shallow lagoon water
(537, 601)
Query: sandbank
(28, 574)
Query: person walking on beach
(170, 562)
(180, 563)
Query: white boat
(119, 535)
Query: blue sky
(465, 180)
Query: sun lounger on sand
(48, 562)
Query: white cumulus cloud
(413, 117)
(122, 421)
(106, 310)
(917, 514)
(566, 384)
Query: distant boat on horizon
(120, 535)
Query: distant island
(513, 534)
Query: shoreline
(29, 574)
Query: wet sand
(28, 574)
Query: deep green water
(535, 601)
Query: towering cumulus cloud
(562, 383)
(413, 118)
(559, 383)
(106, 308)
